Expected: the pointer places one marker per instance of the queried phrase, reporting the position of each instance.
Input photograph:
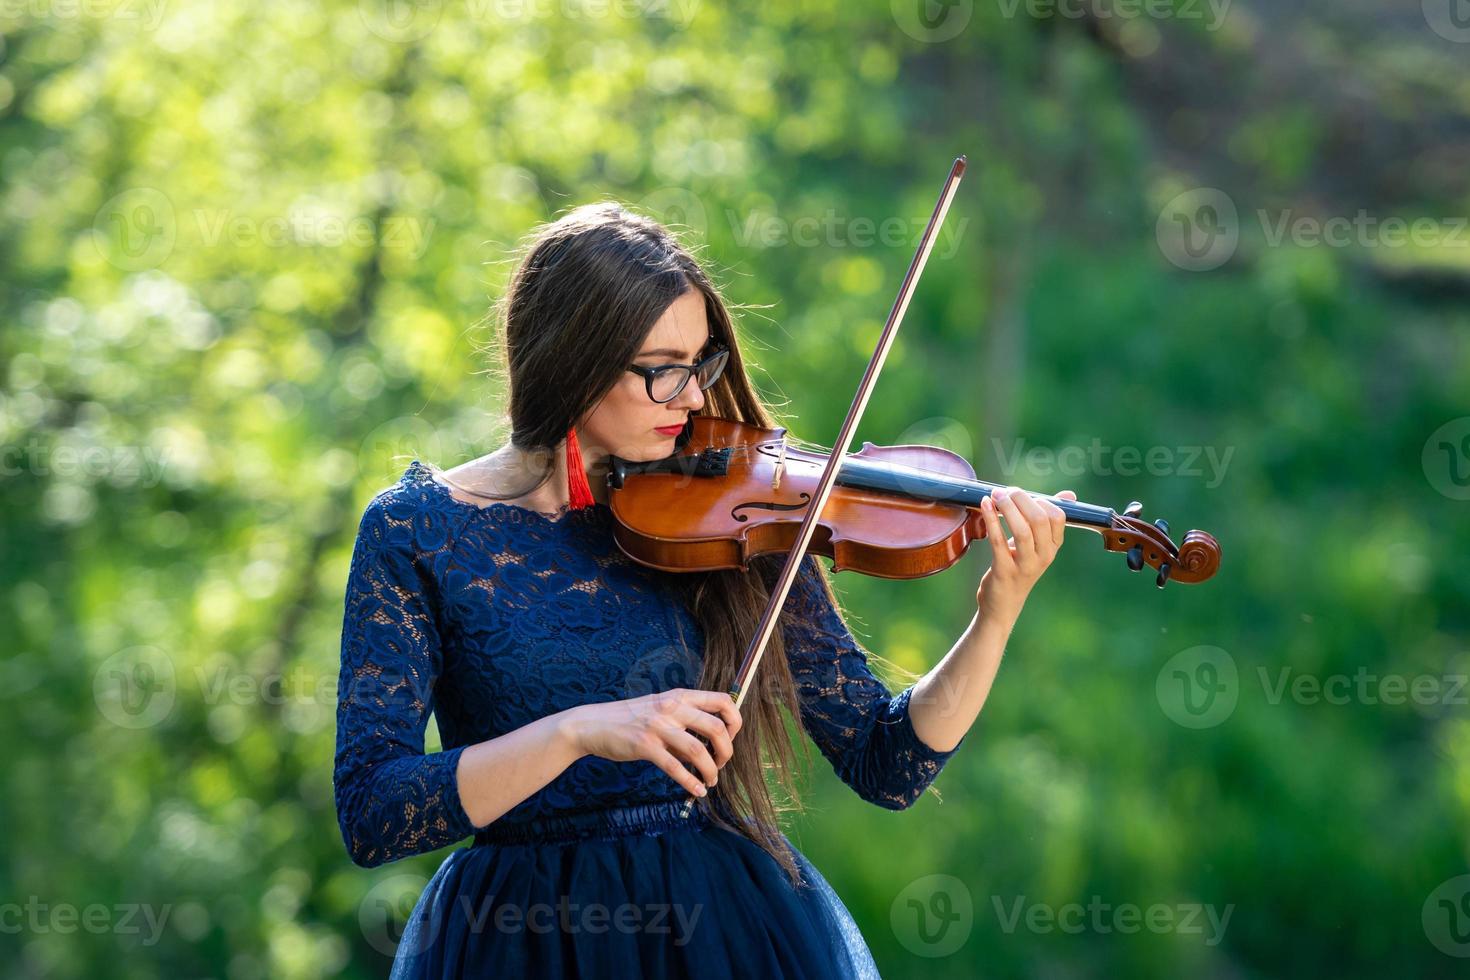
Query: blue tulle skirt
(640, 891)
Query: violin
(733, 491)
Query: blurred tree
(245, 253)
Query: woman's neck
(525, 469)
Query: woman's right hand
(656, 728)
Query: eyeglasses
(666, 381)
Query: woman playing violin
(570, 684)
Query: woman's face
(625, 422)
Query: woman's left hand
(1017, 562)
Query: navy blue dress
(492, 617)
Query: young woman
(570, 683)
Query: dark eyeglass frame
(651, 374)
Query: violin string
(750, 448)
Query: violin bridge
(780, 466)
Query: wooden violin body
(733, 491)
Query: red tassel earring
(578, 492)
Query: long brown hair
(577, 309)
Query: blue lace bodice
(492, 617)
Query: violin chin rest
(685, 434)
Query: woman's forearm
(947, 700)
(496, 775)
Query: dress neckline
(563, 515)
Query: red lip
(670, 430)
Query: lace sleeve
(392, 799)
(862, 729)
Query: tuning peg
(1162, 525)
(1135, 557)
(1133, 509)
(1163, 575)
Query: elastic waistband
(606, 824)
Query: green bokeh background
(245, 251)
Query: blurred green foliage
(244, 253)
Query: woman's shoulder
(417, 512)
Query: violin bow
(1195, 560)
(757, 647)
(844, 440)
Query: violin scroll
(1195, 560)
